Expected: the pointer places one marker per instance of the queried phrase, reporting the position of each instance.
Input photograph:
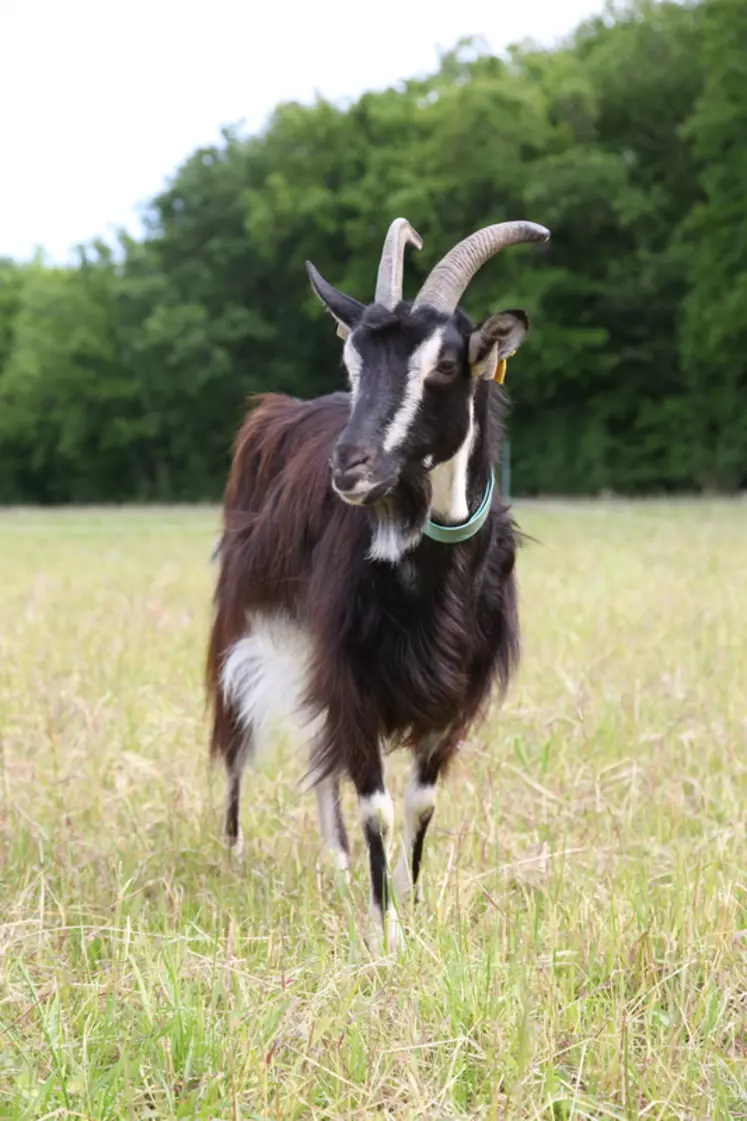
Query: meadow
(580, 950)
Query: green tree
(127, 375)
(11, 464)
(714, 333)
(63, 386)
(606, 398)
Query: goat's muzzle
(357, 476)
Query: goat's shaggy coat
(341, 615)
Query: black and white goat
(366, 586)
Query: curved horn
(389, 278)
(448, 280)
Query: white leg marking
(419, 803)
(449, 479)
(378, 808)
(326, 801)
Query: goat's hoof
(384, 937)
(402, 880)
(340, 865)
(235, 846)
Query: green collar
(453, 534)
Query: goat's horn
(389, 278)
(448, 280)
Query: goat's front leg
(377, 819)
(420, 802)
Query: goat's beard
(408, 503)
(399, 518)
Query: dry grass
(581, 951)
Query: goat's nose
(350, 457)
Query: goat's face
(414, 368)
(413, 376)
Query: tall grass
(581, 947)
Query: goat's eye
(447, 368)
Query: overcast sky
(100, 100)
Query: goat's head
(414, 367)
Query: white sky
(100, 100)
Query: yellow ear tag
(500, 369)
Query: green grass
(581, 948)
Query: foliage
(715, 330)
(126, 377)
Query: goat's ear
(344, 309)
(496, 339)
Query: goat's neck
(455, 492)
(459, 483)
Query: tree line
(125, 376)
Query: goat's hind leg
(233, 743)
(232, 833)
(235, 764)
(331, 823)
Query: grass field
(581, 948)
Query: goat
(366, 587)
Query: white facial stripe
(449, 479)
(353, 363)
(421, 363)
